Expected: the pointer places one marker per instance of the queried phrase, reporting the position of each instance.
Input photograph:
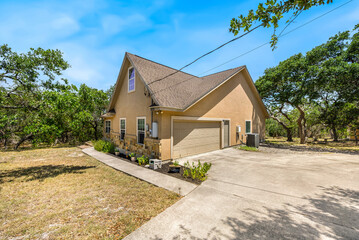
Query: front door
(226, 133)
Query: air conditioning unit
(252, 140)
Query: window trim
(106, 126)
(128, 80)
(122, 129)
(137, 118)
(245, 126)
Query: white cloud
(96, 68)
(36, 27)
(65, 23)
(113, 24)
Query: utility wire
(294, 29)
(280, 34)
(262, 45)
(224, 44)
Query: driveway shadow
(333, 213)
(40, 172)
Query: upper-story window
(131, 80)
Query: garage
(194, 137)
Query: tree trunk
(5, 143)
(23, 139)
(288, 129)
(301, 125)
(300, 131)
(289, 135)
(335, 134)
(95, 128)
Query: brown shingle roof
(179, 90)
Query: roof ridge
(162, 64)
(223, 71)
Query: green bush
(197, 172)
(132, 155)
(143, 160)
(104, 146)
(186, 172)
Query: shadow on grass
(332, 214)
(30, 148)
(308, 148)
(40, 172)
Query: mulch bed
(165, 169)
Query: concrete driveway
(272, 194)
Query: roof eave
(266, 114)
(171, 109)
(117, 81)
(108, 115)
(146, 85)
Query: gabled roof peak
(131, 54)
(179, 90)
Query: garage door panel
(191, 138)
(198, 142)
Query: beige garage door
(194, 137)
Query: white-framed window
(141, 129)
(131, 79)
(122, 128)
(248, 126)
(108, 126)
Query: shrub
(98, 145)
(132, 155)
(143, 160)
(197, 172)
(185, 172)
(104, 146)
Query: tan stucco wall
(131, 105)
(234, 100)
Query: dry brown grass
(341, 145)
(61, 193)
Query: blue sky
(94, 35)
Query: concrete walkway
(159, 179)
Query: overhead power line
(260, 46)
(224, 44)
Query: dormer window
(131, 79)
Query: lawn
(61, 193)
(340, 145)
(246, 148)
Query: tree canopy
(37, 105)
(270, 13)
(325, 78)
